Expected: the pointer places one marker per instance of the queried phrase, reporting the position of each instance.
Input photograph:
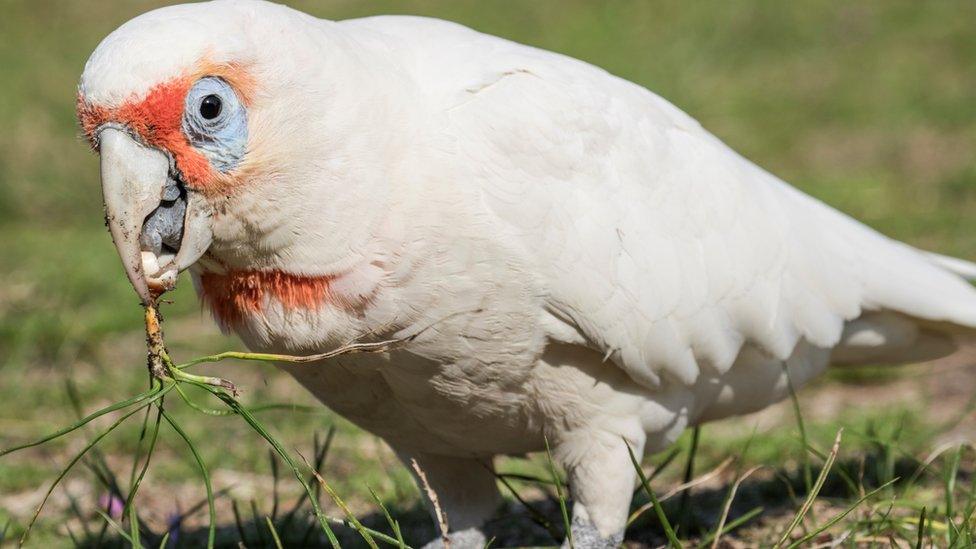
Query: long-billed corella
(579, 261)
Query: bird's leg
(465, 492)
(601, 483)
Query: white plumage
(581, 260)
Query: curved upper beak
(156, 235)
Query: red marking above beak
(157, 119)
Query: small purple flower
(173, 525)
(112, 504)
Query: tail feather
(887, 337)
(959, 267)
(891, 337)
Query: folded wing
(658, 244)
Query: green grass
(870, 107)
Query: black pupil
(210, 107)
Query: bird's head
(236, 131)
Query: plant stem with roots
(158, 361)
(155, 347)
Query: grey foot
(586, 536)
(471, 538)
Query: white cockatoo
(569, 258)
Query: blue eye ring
(215, 122)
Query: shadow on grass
(510, 527)
(777, 492)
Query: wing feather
(656, 242)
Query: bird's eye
(215, 122)
(210, 107)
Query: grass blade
(680, 489)
(239, 523)
(274, 533)
(212, 529)
(805, 459)
(812, 495)
(159, 394)
(537, 516)
(434, 501)
(258, 427)
(86, 420)
(658, 510)
(921, 530)
(684, 514)
(255, 520)
(714, 536)
(320, 452)
(394, 525)
(274, 486)
(559, 495)
(134, 526)
(727, 505)
(950, 496)
(364, 532)
(378, 535)
(137, 482)
(117, 527)
(840, 516)
(852, 486)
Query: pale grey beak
(159, 227)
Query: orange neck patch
(238, 294)
(158, 118)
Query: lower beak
(159, 227)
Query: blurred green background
(869, 106)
